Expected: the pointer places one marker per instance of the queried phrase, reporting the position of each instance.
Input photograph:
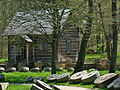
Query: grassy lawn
(3, 60)
(18, 87)
(19, 77)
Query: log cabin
(27, 43)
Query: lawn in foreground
(18, 87)
(19, 77)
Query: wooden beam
(27, 53)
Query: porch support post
(27, 52)
(14, 54)
(33, 53)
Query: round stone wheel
(35, 87)
(43, 85)
(90, 77)
(2, 77)
(105, 80)
(47, 69)
(36, 69)
(29, 79)
(70, 69)
(60, 69)
(24, 69)
(12, 69)
(112, 85)
(52, 77)
(38, 78)
(76, 78)
(2, 69)
(63, 78)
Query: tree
(85, 39)
(114, 37)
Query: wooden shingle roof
(32, 22)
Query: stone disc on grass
(63, 78)
(12, 69)
(43, 85)
(70, 69)
(36, 69)
(2, 77)
(3, 86)
(52, 77)
(113, 84)
(105, 80)
(38, 78)
(35, 87)
(60, 69)
(47, 69)
(24, 69)
(76, 78)
(90, 77)
(2, 69)
(29, 79)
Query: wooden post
(27, 52)
(33, 53)
(14, 54)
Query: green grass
(18, 87)
(19, 77)
(3, 60)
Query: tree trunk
(114, 38)
(54, 56)
(108, 47)
(98, 41)
(85, 39)
(107, 35)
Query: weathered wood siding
(40, 50)
(73, 37)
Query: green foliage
(3, 60)
(18, 87)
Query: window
(68, 46)
(42, 46)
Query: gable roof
(33, 22)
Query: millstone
(24, 69)
(2, 77)
(63, 78)
(36, 69)
(90, 77)
(3, 86)
(70, 69)
(47, 69)
(52, 77)
(76, 78)
(35, 87)
(13, 69)
(115, 84)
(38, 78)
(59, 69)
(43, 85)
(2, 69)
(29, 79)
(105, 80)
